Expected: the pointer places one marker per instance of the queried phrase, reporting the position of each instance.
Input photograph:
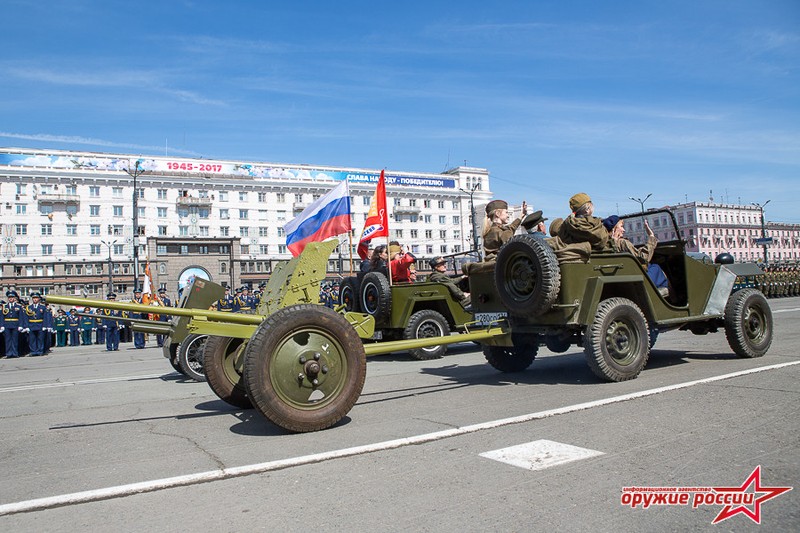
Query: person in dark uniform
(12, 322)
(244, 302)
(34, 320)
(60, 324)
(226, 303)
(138, 336)
(87, 326)
(111, 326)
(100, 336)
(74, 325)
(439, 275)
(164, 301)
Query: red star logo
(753, 479)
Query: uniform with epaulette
(244, 302)
(111, 326)
(74, 327)
(227, 303)
(34, 323)
(12, 317)
(87, 326)
(60, 324)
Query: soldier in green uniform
(88, 325)
(582, 226)
(496, 228)
(60, 322)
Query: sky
(684, 100)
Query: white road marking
(786, 310)
(81, 382)
(540, 454)
(227, 473)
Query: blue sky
(617, 99)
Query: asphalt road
(85, 431)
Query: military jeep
(405, 310)
(608, 305)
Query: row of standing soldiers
(34, 327)
(241, 302)
(780, 281)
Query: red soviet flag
(377, 223)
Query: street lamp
(763, 229)
(110, 264)
(640, 201)
(135, 174)
(471, 194)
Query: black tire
(171, 353)
(348, 294)
(190, 356)
(376, 296)
(219, 365)
(527, 276)
(305, 367)
(513, 358)
(617, 342)
(748, 323)
(423, 324)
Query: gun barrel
(137, 324)
(219, 316)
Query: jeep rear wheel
(617, 342)
(748, 323)
(527, 275)
(376, 296)
(423, 324)
(348, 294)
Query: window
(94, 229)
(47, 249)
(203, 249)
(426, 203)
(140, 194)
(455, 204)
(244, 231)
(203, 212)
(443, 248)
(162, 212)
(366, 200)
(71, 189)
(21, 189)
(94, 210)
(223, 214)
(94, 191)
(224, 249)
(442, 234)
(281, 248)
(456, 219)
(281, 232)
(242, 214)
(184, 249)
(224, 231)
(262, 197)
(116, 230)
(72, 209)
(429, 234)
(162, 194)
(72, 229)
(442, 219)
(183, 231)
(116, 192)
(223, 267)
(281, 216)
(203, 231)
(242, 196)
(262, 214)
(263, 249)
(161, 249)
(22, 249)
(47, 229)
(183, 212)
(262, 232)
(223, 196)
(162, 231)
(427, 219)
(46, 209)
(72, 249)
(396, 201)
(141, 211)
(414, 233)
(441, 204)
(22, 209)
(119, 249)
(94, 249)
(21, 229)
(117, 210)
(245, 249)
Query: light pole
(110, 265)
(471, 194)
(640, 201)
(763, 229)
(135, 174)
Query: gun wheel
(170, 350)
(305, 368)
(222, 368)
(190, 356)
(617, 343)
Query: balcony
(191, 201)
(406, 210)
(52, 199)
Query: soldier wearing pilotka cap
(496, 229)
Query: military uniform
(12, 323)
(36, 324)
(87, 326)
(244, 303)
(60, 324)
(226, 304)
(111, 326)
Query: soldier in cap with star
(496, 228)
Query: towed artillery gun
(300, 364)
(303, 365)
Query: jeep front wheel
(748, 323)
(617, 342)
(423, 324)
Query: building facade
(71, 224)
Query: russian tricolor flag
(326, 217)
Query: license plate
(485, 319)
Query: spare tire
(376, 296)
(348, 294)
(527, 275)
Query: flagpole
(350, 249)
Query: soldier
(111, 326)
(100, 335)
(244, 302)
(12, 323)
(35, 321)
(164, 301)
(439, 275)
(60, 323)
(88, 325)
(138, 336)
(226, 303)
(74, 325)
(582, 226)
(496, 228)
